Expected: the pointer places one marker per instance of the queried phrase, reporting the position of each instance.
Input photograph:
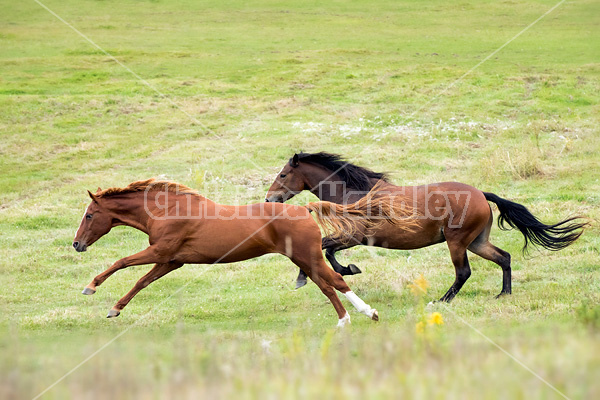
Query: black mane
(356, 177)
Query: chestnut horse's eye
(282, 175)
(89, 216)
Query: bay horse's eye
(89, 216)
(282, 175)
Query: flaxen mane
(356, 177)
(148, 184)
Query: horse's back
(291, 230)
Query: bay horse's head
(96, 222)
(289, 182)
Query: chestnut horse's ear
(295, 162)
(92, 196)
(99, 190)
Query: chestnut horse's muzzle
(80, 246)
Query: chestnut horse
(450, 212)
(185, 227)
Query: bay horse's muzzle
(80, 246)
(276, 198)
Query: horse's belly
(394, 237)
(223, 252)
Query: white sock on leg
(343, 321)
(360, 305)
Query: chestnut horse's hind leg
(338, 282)
(158, 271)
(327, 280)
(462, 268)
(331, 246)
(502, 258)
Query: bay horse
(185, 227)
(450, 212)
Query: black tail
(552, 237)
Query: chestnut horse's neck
(138, 209)
(127, 209)
(328, 186)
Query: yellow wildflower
(420, 327)
(419, 286)
(435, 319)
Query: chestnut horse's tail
(344, 221)
(552, 237)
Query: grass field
(238, 88)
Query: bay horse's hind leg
(490, 252)
(462, 268)
(483, 248)
(158, 271)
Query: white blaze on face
(83, 217)
(279, 173)
(276, 179)
(85, 212)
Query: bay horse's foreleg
(158, 271)
(462, 268)
(502, 258)
(351, 269)
(331, 246)
(147, 256)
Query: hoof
(354, 269)
(375, 315)
(113, 313)
(300, 283)
(502, 294)
(88, 291)
(343, 321)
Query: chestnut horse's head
(289, 182)
(96, 223)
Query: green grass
(267, 79)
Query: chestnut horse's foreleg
(462, 268)
(147, 256)
(158, 271)
(502, 258)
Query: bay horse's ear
(295, 161)
(92, 196)
(99, 190)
